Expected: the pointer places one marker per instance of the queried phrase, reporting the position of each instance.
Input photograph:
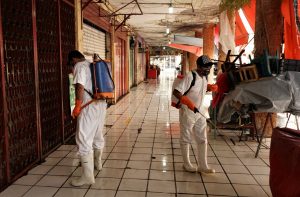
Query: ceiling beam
(191, 14)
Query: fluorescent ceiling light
(167, 30)
(170, 9)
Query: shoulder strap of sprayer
(192, 84)
(89, 93)
(100, 59)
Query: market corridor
(142, 157)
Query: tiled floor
(142, 158)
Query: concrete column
(192, 61)
(192, 57)
(136, 43)
(268, 27)
(208, 45)
(78, 26)
(184, 65)
(112, 47)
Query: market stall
(271, 95)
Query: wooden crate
(248, 73)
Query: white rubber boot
(187, 166)
(202, 159)
(97, 158)
(87, 177)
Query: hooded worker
(190, 121)
(90, 120)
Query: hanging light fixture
(168, 30)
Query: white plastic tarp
(294, 78)
(277, 94)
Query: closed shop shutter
(93, 41)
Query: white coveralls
(190, 122)
(90, 122)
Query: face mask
(205, 71)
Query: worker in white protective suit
(90, 120)
(192, 123)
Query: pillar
(136, 45)
(192, 57)
(268, 27)
(208, 45)
(78, 26)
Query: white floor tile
(62, 170)
(239, 169)
(98, 193)
(111, 173)
(139, 164)
(250, 190)
(259, 170)
(215, 178)
(190, 188)
(130, 194)
(136, 174)
(15, 191)
(187, 176)
(163, 166)
(140, 157)
(152, 194)
(242, 179)
(119, 156)
(66, 147)
(69, 162)
(220, 189)
(51, 161)
(38, 191)
(59, 153)
(106, 183)
(29, 179)
(262, 179)
(162, 175)
(40, 170)
(52, 181)
(115, 164)
(71, 192)
(133, 185)
(161, 186)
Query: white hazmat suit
(193, 123)
(90, 124)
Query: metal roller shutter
(93, 41)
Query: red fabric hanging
(192, 49)
(216, 34)
(241, 34)
(291, 31)
(249, 12)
